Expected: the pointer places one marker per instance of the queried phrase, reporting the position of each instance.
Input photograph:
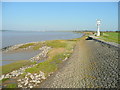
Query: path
(92, 65)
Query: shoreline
(60, 49)
(13, 38)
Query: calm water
(12, 38)
(18, 56)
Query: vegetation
(56, 43)
(110, 36)
(37, 46)
(14, 66)
(61, 49)
(27, 45)
(12, 85)
(3, 80)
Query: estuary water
(17, 37)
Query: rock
(31, 86)
(26, 82)
(43, 77)
(19, 85)
(2, 76)
(65, 59)
(19, 80)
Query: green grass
(3, 80)
(48, 66)
(110, 37)
(37, 46)
(14, 66)
(56, 43)
(61, 49)
(13, 85)
(27, 45)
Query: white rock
(2, 77)
(31, 86)
(19, 80)
(26, 82)
(43, 77)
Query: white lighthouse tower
(98, 27)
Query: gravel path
(92, 65)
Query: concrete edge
(108, 44)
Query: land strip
(92, 65)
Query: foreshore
(53, 53)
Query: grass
(27, 45)
(12, 85)
(61, 49)
(14, 66)
(110, 36)
(3, 80)
(56, 43)
(37, 46)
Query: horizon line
(60, 0)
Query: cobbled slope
(92, 65)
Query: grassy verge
(61, 50)
(14, 66)
(110, 36)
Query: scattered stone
(43, 54)
(31, 80)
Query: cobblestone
(92, 65)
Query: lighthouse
(98, 27)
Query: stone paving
(92, 65)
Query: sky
(57, 16)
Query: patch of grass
(13, 85)
(37, 46)
(3, 80)
(111, 37)
(14, 66)
(27, 45)
(60, 50)
(49, 65)
(45, 67)
(56, 43)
